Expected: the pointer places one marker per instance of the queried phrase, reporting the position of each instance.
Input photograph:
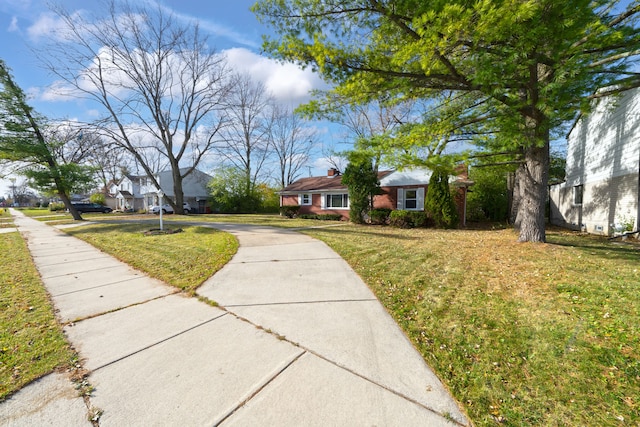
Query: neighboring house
(128, 195)
(403, 190)
(194, 189)
(600, 193)
(139, 193)
(110, 192)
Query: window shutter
(400, 202)
(299, 199)
(420, 197)
(323, 201)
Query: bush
(54, 207)
(98, 198)
(308, 216)
(321, 217)
(290, 211)
(379, 216)
(409, 219)
(330, 217)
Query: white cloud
(289, 83)
(46, 26)
(13, 27)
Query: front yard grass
(6, 220)
(31, 340)
(522, 334)
(183, 260)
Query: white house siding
(603, 156)
(194, 188)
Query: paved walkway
(298, 340)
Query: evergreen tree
(23, 141)
(439, 203)
(361, 179)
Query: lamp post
(160, 196)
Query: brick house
(402, 190)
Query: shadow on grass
(594, 245)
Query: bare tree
(156, 78)
(245, 140)
(292, 143)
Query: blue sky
(232, 28)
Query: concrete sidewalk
(298, 340)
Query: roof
(321, 183)
(315, 183)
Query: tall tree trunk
(70, 207)
(532, 178)
(177, 190)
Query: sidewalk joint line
(98, 286)
(259, 389)
(91, 270)
(161, 341)
(97, 256)
(301, 302)
(337, 365)
(284, 260)
(384, 387)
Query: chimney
(333, 172)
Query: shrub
(98, 198)
(290, 211)
(419, 219)
(379, 216)
(54, 207)
(308, 216)
(330, 217)
(410, 219)
(399, 219)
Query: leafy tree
(488, 197)
(438, 201)
(23, 140)
(229, 192)
(98, 198)
(268, 197)
(156, 78)
(506, 72)
(361, 178)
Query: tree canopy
(24, 141)
(160, 85)
(507, 73)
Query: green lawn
(31, 341)
(6, 220)
(523, 334)
(183, 260)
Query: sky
(231, 26)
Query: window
(410, 199)
(304, 199)
(336, 201)
(577, 194)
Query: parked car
(166, 208)
(91, 207)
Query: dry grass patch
(523, 334)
